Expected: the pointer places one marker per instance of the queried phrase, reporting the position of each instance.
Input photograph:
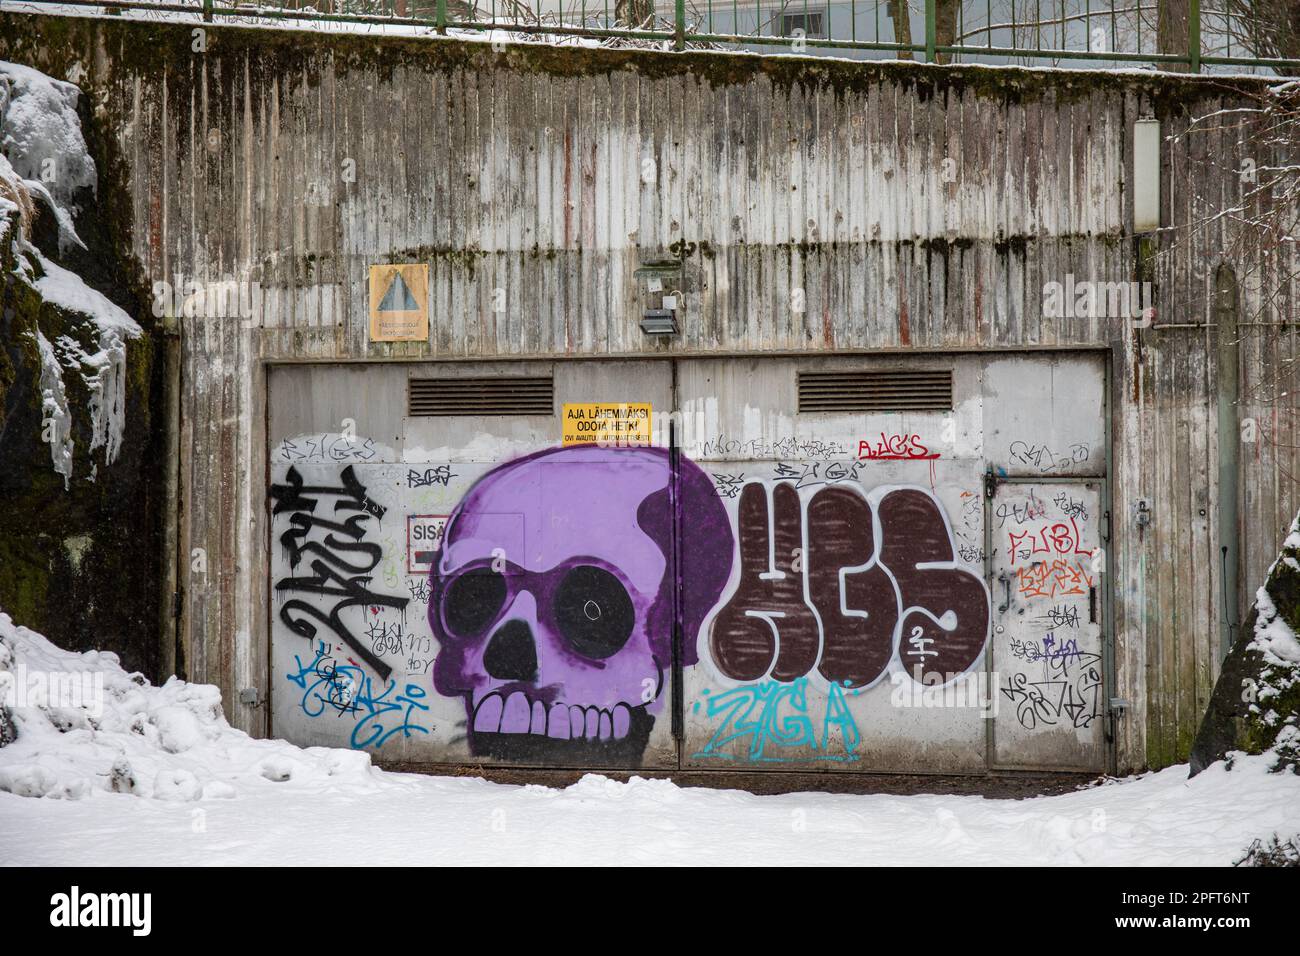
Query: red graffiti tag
(1051, 538)
(895, 448)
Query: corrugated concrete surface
(903, 207)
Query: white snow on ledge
(159, 778)
(66, 290)
(103, 371)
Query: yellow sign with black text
(607, 423)
(399, 303)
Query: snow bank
(144, 775)
(164, 743)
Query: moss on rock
(102, 589)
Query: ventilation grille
(890, 390)
(442, 397)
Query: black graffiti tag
(437, 475)
(342, 560)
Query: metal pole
(679, 25)
(675, 502)
(440, 15)
(1230, 435)
(171, 600)
(207, 10)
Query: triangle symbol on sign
(398, 298)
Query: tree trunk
(945, 26)
(902, 20)
(1172, 20)
(633, 14)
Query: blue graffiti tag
(755, 712)
(327, 687)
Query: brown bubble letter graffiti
(858, 636)
(767, 617)
(915, 533)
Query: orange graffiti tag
(1053, 579)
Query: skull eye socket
(472, 601)
(593, 611)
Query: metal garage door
(844, 563)
(545, 640)
(1048, 524)
(881, 510)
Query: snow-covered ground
(153, 775)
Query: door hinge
(990, 484)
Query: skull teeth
(517, 714)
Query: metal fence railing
(1188, 35)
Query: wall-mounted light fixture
(661, 281)
(659, 322)
(1146, 175)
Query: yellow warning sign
(399, 302)
(607, 423)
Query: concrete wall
(905, 208)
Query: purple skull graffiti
(553, 599)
